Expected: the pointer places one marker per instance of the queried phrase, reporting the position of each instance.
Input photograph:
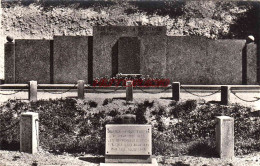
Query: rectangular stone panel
(196, 60)
(29, 132)
(252, 64)
(152, 53)
(128, 140)
(129, 55)
(70, 59)
(9, 63)
(225, 61)
(32, 60)
(187, 60)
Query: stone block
(32, 60)
(81, 89)
(225, 95)
(127, 119)
(128, 143)
(128, 55)
(176, 91)
(32, 92)
(29, 132)
(152, 53)
(9, 63)
(70, 59)
(225, 137)
(129, 91)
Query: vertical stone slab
(9, 63)
(32, 92)
(197, 60)
(129, 91)
(70, 59)
(2, 45)
(187, 60)
(225, 95)
(225, 61)
(251, 64)
(81, 89)
(129, 55)
(176, 91)
(225, 137)
(153, 48)
(29, 132)
(32, 60)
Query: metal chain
(60, 92)
(98, 91)
(8, 128)
(200, 95)
(154, 92)
(249, 101)
(12, 93)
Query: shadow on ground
(166, 98)
(203, 149)
(11, 146)
(95, 160)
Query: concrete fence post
(225, 137)
(176, 91)
(129, 91)
(29, 132)
(32, 91)
(81, 89)
(225, 95)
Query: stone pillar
(176, 91)
(2, 40)
(81, 89)
(225, 95)
(9, 62)
(225, 137)
(129, 91)
(29, 132)
(32, 91)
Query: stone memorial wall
(132, 50)
(152, 53)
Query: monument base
(154, 163)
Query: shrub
(75, 126)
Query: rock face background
(46, 19)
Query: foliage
(70, 125)
(211, 19)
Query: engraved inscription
(128, 140)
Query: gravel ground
(43, 158)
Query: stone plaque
(128, 140)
